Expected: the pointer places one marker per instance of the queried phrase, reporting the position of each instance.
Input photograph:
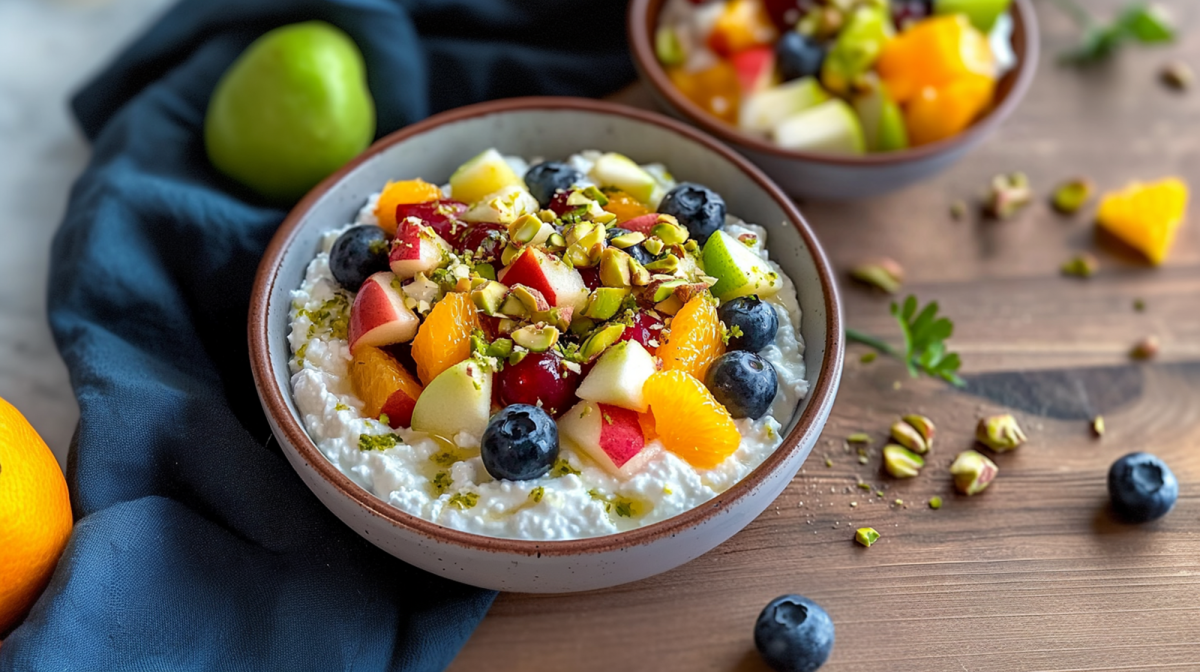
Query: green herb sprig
(1137, 22)
(924, 341)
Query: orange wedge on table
(1146, 216)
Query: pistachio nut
(1008, 194)
(882, 273)
(866, 536)
(901, 462)
(1000, 433)
(972, 472)
(1072, 195)
(906, 435)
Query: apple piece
(763, 111)
(459, 399)
(560, 284)
(399, 409)
(610, 435)
(981, 13)
(417, 248)
(882, 121)
(641, 224)
(739, 271)
(620, 171)
(858, 45)
(378, 316)
(829, 127)
(618, 377)
(755, 68)
(486, 173)
(503, 206)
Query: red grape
(645, 328)
(539, 380)
(441, 216)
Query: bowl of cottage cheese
(546, 345)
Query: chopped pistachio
(958, 210)
(866, 536)
(532, 299)
(1146, 348)
(525, 229)
(614, 268)
(868, 357)
(638, 275)
(906, 435)
(924, 427)
(828, 462)
(1177, 75)
(972, 472)
(883, 273)
(1001, 433)
(1082, 265)
(935, 503)
(859, 437)
(1139, 305)
(1072, 195)
(879, 493)
(1008, 193)
(536, 337)
(863, 485)
(500, 348)
(1098, 426)
(898, 502)
(668, 264)
(627, 239)
(863, 459)
(654, 245)
(509, 254)
(598, 342)
(901, 462)
(670, 232)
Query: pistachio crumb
(859, 437)
(868, 357)
(853, 504)
(935, 503)
(866, 536)
(828, 462)
(1098, 426)
(898, 502)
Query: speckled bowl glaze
(830, 176)
(551, 127)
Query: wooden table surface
(1033, 574)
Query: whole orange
(35, 515)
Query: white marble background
(47, 49)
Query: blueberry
(697, 207)
(743, 382)
(638, 252)
(794, 634)
(1141, 487)
(520, 443)
(798, 56)
(547, 178)
(357, 254)
(756, 319)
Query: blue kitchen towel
(197, 546)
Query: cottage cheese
(448, 485)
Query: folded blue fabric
(197, 546)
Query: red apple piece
(378, 316)
(399, 409)
(755, 68)
(610, 435)
(560, 284)
(641, 224)
(417, 248)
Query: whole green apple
(293, 108)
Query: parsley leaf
(924, 341)
(1137, 22)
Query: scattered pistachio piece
(868, 357)
(1000, 433)
(935, 503)
(1146, 348)
(863, 459)
(924, 426)
(898, 502)
(1072, 195)
(1139, 305)
(901, 462)
(879, 493)
(972, 472)
(1177, 75)
(828, 463)
(1098, 426)
(908, 436)
(866, 536)
(958, 210)
(882, 273)
(1008, 194)
(863, 485)
(853, 504)
(1082, 265)
(859, 437)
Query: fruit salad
(556, 350)
(838, 76)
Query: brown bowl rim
(274, 401)
(642, 16)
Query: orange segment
(1146, 216)
(444, 339)
(695, 338)
(375, 376)
(689, 421)
(715, 89)
(934, 52)
(939, 113)
(402, 193)
(624, 206)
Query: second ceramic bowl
(552, 128)
(830, 176)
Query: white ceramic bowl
(830, 176)
(549, 127)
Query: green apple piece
(485, 174)
(292, 109)
(458, 400)
(981, 13)
(622, 172)
(618, 377)
(857, 47)
(764, 110)
(882, 121)
(738, 270)
(831, 127)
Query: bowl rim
(820, 394)
(639, 28)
